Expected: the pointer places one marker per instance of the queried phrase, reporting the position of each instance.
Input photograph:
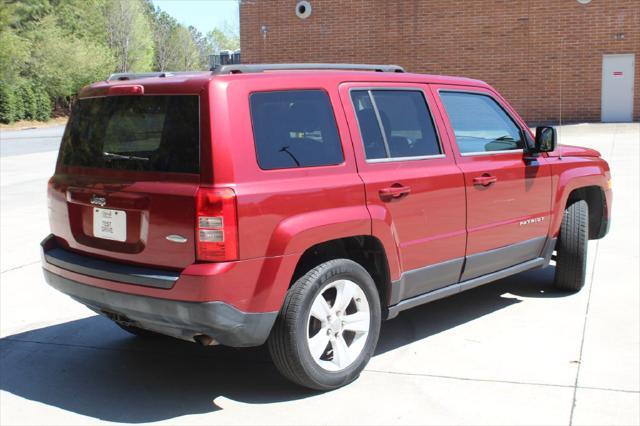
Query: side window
(294, 129)
(395, 124)
(480, 124)
(374, 144)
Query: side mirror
(546, 139)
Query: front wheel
(571, 262)
(328, 326)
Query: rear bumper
(250, 285)
(144, 298)
(184, 320)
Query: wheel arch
(366, 250)
(589, 181)
(597, 201)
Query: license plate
(110, 224)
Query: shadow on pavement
(93, 368)
(432, 318)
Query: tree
(63, 63)
(129, 35)
(223, 39)
(82, 18)
(21, 15)
(166, 50)
(188, 57)
(202, 46)
(14, 52)
(49, 49)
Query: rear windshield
(138, 133)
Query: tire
(571, 259)
(139, 332)
(298, 327)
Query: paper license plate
(110, 224)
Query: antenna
(560, 82)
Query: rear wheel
(571, 259)
(328, 327)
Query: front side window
(395, 124)
(480, 124)
(294, 129)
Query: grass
(28, 124)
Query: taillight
(216, 225)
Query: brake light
(217, 226)
(130, 89)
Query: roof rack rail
(119, 76)
(251, 68)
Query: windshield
(138, 133)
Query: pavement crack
(509, 382)
(20, 266)
(471, 379)
(584, 332)
(72, 345)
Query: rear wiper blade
(114, 156)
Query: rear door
(508, 195)
(126, 177)
(411, 181)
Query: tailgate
(126, 179)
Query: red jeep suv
(301, 204)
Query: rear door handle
(485, 180)
(394, 192)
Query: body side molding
(394, 310)
(427, 279)
(479, 264)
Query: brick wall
(535, 52)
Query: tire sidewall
(344, 269)
(574, 233)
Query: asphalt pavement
(30, 141)
(511, 352)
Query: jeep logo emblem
(98, 201)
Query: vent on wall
(303, 9)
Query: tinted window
(374, 145)
(139, 133)
(480, 124)
(395, 123)
(294, 129)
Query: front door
(508, 196)
(412, 183)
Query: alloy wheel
(338, 325)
